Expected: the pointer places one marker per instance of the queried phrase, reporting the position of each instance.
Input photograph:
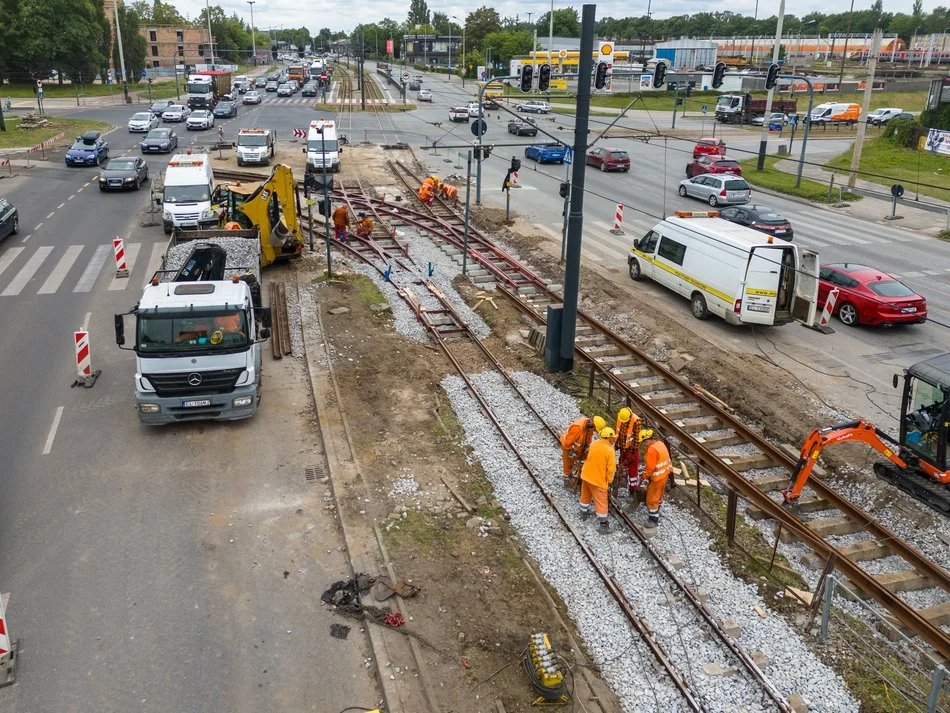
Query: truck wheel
(634, 268)
(698, 305)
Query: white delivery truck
(726, 269)
(255, 146)
(200, 91)
(323, 147)
(188, 193)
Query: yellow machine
(544, 667)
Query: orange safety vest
(578, 435)
(658, 463)
(341, 217)
(600, 466)
(627, 433)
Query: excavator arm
(273, 209)
(862, 431)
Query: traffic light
(527, 74)
(565, 190)
(689, 89)
(719, 74)
(659, 75)
(544, 77)
(515, 163)
(324, 207)
(772, 76)
(600, 75)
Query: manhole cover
(313, 473)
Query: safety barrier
(118, 249)
(829, 307)
(45, 145)
(618, 220)
(6, 162)
(86, 376)
(8, 647)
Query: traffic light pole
(478, 136)
(764, 137)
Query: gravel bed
(737, 449)
(791, 666)
(404, 319)
(242, 253)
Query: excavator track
(931, 494)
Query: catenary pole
(865, 104)
(764, 136)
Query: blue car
(90, 149)
(546, 153)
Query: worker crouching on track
(658, 469)
(597, 475)
(364, 226)
(427, 194)
(341, 221)
(575, 442)
(450, 192)
(628, 447)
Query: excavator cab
(925, 412)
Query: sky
(314, 14)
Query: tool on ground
(545, 670)
(386, 589)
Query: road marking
(131, 252)
(26, 237)
(39, 225)
(89, 275)
(60, 205)
(59, 272)
(8, 257)
(26, 274)
(155, 261)
(51, 214)
(71, 197)
(52, 431)
(85, 322)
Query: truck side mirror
(158, 200)
(265, 333)
(120, 330)
(896, 380)
(304, 149)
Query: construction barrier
(6, 162)
(829, 308)
(618, 220)
(86, 376)
(7, 646)
(118, 248)
(514, 179)
(45, 145)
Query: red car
(709, 147)
(712, 164)
(869, 296)
(609, 159)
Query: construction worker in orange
(658, 469)
(341, 221)
(575, 442)
(597, 475)
(450, 192)
(364, 226)
(427, 193)
(628, 447)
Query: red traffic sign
(405, 76)
(323, 77)
(39, 83)
(300, 133)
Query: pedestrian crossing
(77, 269)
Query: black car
(159, 106)
(126, 173)
(159, 141)
(519, 127)
(260, 82)
(761, 218)
(9, 219)
(415, 86)
(225, 109)
(309, 90)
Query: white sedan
(143, 121)
(201, 119)
(176, 112)
(252, 97)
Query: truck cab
(925, 411)
(200, 91)
(188, 193)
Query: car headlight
(164, 144)
(130, 179)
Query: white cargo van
(188, 191)
(835, 113)
(322, 150)
(728, 270)
(255, 146)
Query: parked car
(285, 90)
(90, 149)
(252, 97)
(868, 296)
(608, 159)
(712, 164)
(125, 173)
(520, 127)
(9, 219)
(536, 107)
(424, 95)
(176, 112)
(717, 189)
(143, 121)
(200, 119)
(546, 153)
(272, 85)
(309, 90)
(761, 218)
(161, 140)
(225, 110)
(776, 117)
(709, 146)
(159, 106)
(473, 109)
(458, 113)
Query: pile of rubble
(32, 120)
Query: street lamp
(800, 26)
(911, 48)
(253, 37)
(463, 49)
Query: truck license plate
(194, 403)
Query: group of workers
(341, 224)
(596, 459)
(432, 187)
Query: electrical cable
(498, 670)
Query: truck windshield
(318, 146)
(724, 101)
(186, 194)
(252, 140)
(171, 333)
(198, 88)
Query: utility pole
(844, 54)
(254, 44)
(551, 46)
(865, 104)
(118, 36)
(764, 137)
(210, 38)
(755, 19)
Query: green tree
(566, 23)
(57, 34)
(505, 45)
(165, 13)
(418, 13)
(133, 44)
(479, 23)
(441, 23)
(918, 8)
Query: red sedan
(712, 164)
(609, 159)
(709, 146)
(869, 296)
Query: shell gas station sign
(607, 55)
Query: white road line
(85, 322)
(60, 206)
(131, 252)
(52, 431)
(155, 261)
(50, 214)
(547, 230)
(38, 225)
(89, 275)
(26, 274)
(8, 257)
(26, 237)
(71, 197)
(59, 272)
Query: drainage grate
(313, 473)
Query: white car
(285, 90)
(143, 121)
(176, 112)
(776, 117)
(538, 107)
(201, 119)
(458, 113)
(473, 109)
(424, 95)
(252, 97)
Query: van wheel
(683, 191)
(698, 304)
(634, 267)
(713, 201)
(848, 314)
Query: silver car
(252, 97)
(176, 112)
(717, 189)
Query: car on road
(473, 109)
(536, 107)
(717, 189)
(124, 173)
(414, 86)
(260, 82)
(520, 127)
(900, 117)
(546, 153)
(272, 85)
(712, 164)
(309, 90)
(285, 90)
(252, 97)
(9, 219)
(761, 218)
(417, 77)
(200, 119)
(459, 113)
(225, 110)
(159, 106)
(776, 117)
(424, 95)
(608, 159)
(709, 146)
(160, 140)
(880, 117)
(175, 113)
(143, 121)
(868, 296)
(243, 87)
(90, 149)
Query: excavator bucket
(206, 262)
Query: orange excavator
(918, 458)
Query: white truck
(323, 147)
(200, 91)
(199, 326)
(187, 194)
(255, 146)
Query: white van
(189, 187)
(322, 149)
(255, 146)
(726, 269)
(835, 113)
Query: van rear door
(760, 292)
(805, 301)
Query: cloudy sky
(315, 14)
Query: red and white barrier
(618, 220)
(83, 355)
(7, 647)
(829, 308)
(6, 162)
(118, 248)
(514, 179)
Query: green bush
(903, 132)
(938, 118)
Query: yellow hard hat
(599, 424)
(624, 415)
(607, 432)
(645, 434)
